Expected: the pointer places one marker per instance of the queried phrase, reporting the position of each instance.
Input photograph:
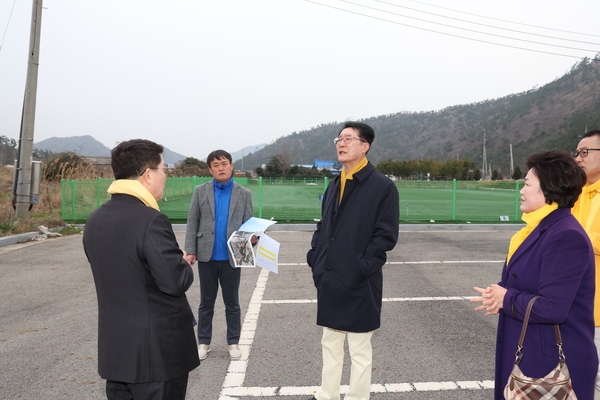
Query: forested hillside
(544, 118)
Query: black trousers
(174, 389)
(211, 274)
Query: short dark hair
(217, 155)
(593, 132)
(365, 132)
(130, 159)
(561, 179)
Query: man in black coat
(359, 224)
(146, 341)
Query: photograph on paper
(240, 245)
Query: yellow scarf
(532, 220)
(133, 188)
(344, 176)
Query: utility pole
(22, 183)
(484, 167)
(512, 166)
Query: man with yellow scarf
(359, 224)
(586, 210)
(146, 341)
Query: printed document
(264, 253)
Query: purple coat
(556, 261)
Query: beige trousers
(361, 354)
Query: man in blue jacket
(359, 224)
(218, 208)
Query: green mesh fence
(299, 200)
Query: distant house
(102, 165)
(321, 165)
(326, 164)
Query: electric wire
(443, 33)
(467, 29)
(504, 20)
(486, 25)
(7, 24)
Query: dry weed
(48, 212)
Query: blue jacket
(555, 261)
(200, 233)
(348, 250)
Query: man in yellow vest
(587, 212)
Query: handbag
(555, 385)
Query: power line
(442, 33)
(486, 25)
(504, 20)
(467, 29)
(7, 24)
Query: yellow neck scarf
(344, 176)
(532, 220)
(133, 188)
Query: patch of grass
(70, 230)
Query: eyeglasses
(347, 140)
(583, 152)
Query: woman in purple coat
(551, 257)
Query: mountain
(88, 146)
(171, 157)
(82, 145)
(553, 116)
(239, 157)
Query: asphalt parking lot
(431, 345)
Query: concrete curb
(25, 237)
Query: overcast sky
(200, 75)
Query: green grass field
(473, 205)
(301, 203)
(283, 203)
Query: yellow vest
(586, 212)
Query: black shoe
(313, 398)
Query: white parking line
(385, 299)
(234, 393)
(422, 262)
(236, 372)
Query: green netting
(299, 200)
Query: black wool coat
(348, 250)
(145, 323)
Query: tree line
(431, 169)
(463, 170)
(69, 165)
